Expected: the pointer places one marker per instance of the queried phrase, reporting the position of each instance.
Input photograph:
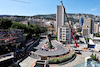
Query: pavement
(28, 61)
(59, 51)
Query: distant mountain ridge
(72, 16)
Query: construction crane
(70, 25)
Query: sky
(41, 7)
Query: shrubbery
(62, 59)
(87, 39)
(93, 57)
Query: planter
(62, 59)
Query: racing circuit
(61, 50)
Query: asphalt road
(60, 49)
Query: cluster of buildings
(38, 22)
(88, 29)
(78, 16)
(89, 26)
(86, 25)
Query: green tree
(17, 25)
(37, 30)
(5, 23)
(28, 22)
(29, 36)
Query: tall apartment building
(89, 23)
(64, 34)
(59, 17)
(96, 28)
(62, 29)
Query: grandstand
(9, 36)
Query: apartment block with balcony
(64, 34)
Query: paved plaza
(80, 58)
(28, 61)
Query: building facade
(64, 34)
(39, 23)
(96, 28)
(85, 32)
(59, 17)
(62, 26)
(89, 23)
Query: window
(67, 32)
(67, 29)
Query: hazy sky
(34, 7)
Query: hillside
(72, 17)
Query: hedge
(62, 59)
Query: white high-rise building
(59, 17)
